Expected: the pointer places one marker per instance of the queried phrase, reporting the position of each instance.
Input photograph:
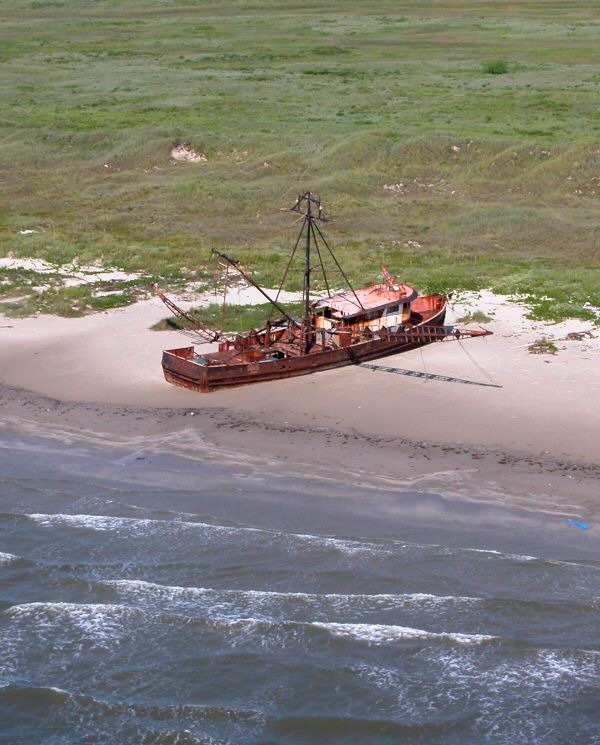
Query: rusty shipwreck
(338, 329)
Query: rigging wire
(470, 356)
(224, 297)
(423, 363)
(316, 242)
(287, 269)
(477, 365)
(343, 273)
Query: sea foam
(271, 605)
(384, 634)
(104, 623)
(136, 586)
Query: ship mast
(309, 205)
(308, 218)
(304, 205)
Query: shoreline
(425, 496)
(529, 440)
(540, 485)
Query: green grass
(543, 346)
(236, 318)
(477, 316)
(24, 292)
(495, 67)
(499, 172)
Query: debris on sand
(579, 335)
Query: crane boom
(192, 323)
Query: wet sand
(483, 419)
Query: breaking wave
(156, 626)
(7, 558)
(107, 623)
(384, 634)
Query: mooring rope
(478, 366)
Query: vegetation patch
(477, 316)
(232, 318)
(542, 346)
(543, 309)
(68, 301)
(50, 290)
(495, 67)
(492, 178)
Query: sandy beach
(483, 417)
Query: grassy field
(458, 142)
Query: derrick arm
(191, 322)
(442, 333)
(236, 265)
(462, 333)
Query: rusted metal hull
(180, 368)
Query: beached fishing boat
(338, 329)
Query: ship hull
(181, 369)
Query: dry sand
(520, 428)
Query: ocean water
(146, 599)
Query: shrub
(543, 346)
(477, 316)
(495, 67)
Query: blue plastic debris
(578, 524)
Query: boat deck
(255, 354)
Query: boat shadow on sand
(426, 375)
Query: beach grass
(454, 174)
(233, 318)
(542, 346)
(476, 316)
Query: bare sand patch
(183, 151)
(72, 274)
